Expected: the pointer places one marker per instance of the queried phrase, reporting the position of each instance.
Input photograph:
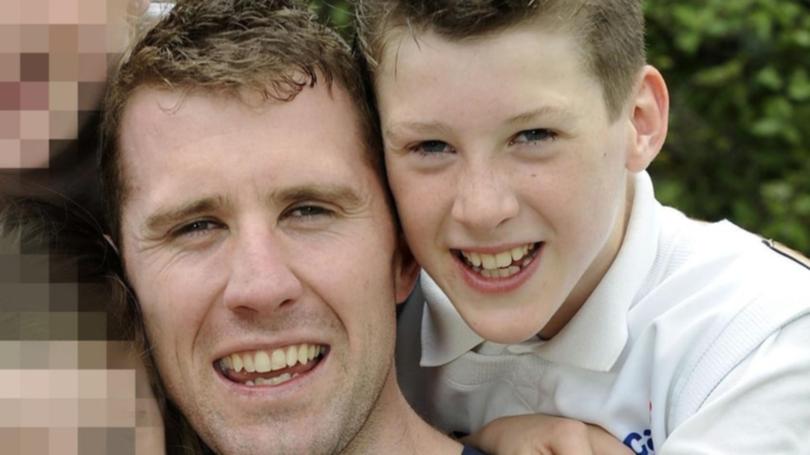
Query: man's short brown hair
(611, 32)
(267, 49)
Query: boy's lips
(498, 271)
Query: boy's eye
(431, 147)
(532, 136)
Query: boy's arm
(544, 435)
(762, 406)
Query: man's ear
(406, 270)
(649, 116)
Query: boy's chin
(505, 326)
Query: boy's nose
(484, 199)
(261, 278)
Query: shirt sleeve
(467, 450)
(761, 406)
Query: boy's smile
(509, 176)
(498, 269)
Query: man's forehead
(175, 146)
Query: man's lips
(270, 367)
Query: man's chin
(281, 436)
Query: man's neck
(394, 428)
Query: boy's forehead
(430, 39)
(526, 70)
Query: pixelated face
(54, 56)
(261, 249)
(509, 178)
(65, 387)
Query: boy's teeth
(261, 361)
(489, 262)
(493, 262)
(503, 259)
(519, 252)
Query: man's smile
(270, 367)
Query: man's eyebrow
(343, 195)
(165, 217)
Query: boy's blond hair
(611, 32)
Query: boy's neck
(596, 272)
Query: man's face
(258, 238)
(508, 175)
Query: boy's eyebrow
(393, 131)
(555, 112)
(423, 128)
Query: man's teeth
(500, 264)
(272, 381)
(262, 361)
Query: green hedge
(739, 79)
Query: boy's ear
(406, 270)
(649, 116)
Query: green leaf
(768, 77)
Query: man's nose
(261, 278)
(484, 198)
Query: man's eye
(431, 148)
(198, 227)
(533, 136)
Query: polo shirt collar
(595, 336)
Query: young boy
(517, 134)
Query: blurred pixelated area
(68, 381)
(54, 56)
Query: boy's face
(509, 177)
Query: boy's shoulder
(700, 254)
(718, 292)
(787, 252)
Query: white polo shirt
(696, 341)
